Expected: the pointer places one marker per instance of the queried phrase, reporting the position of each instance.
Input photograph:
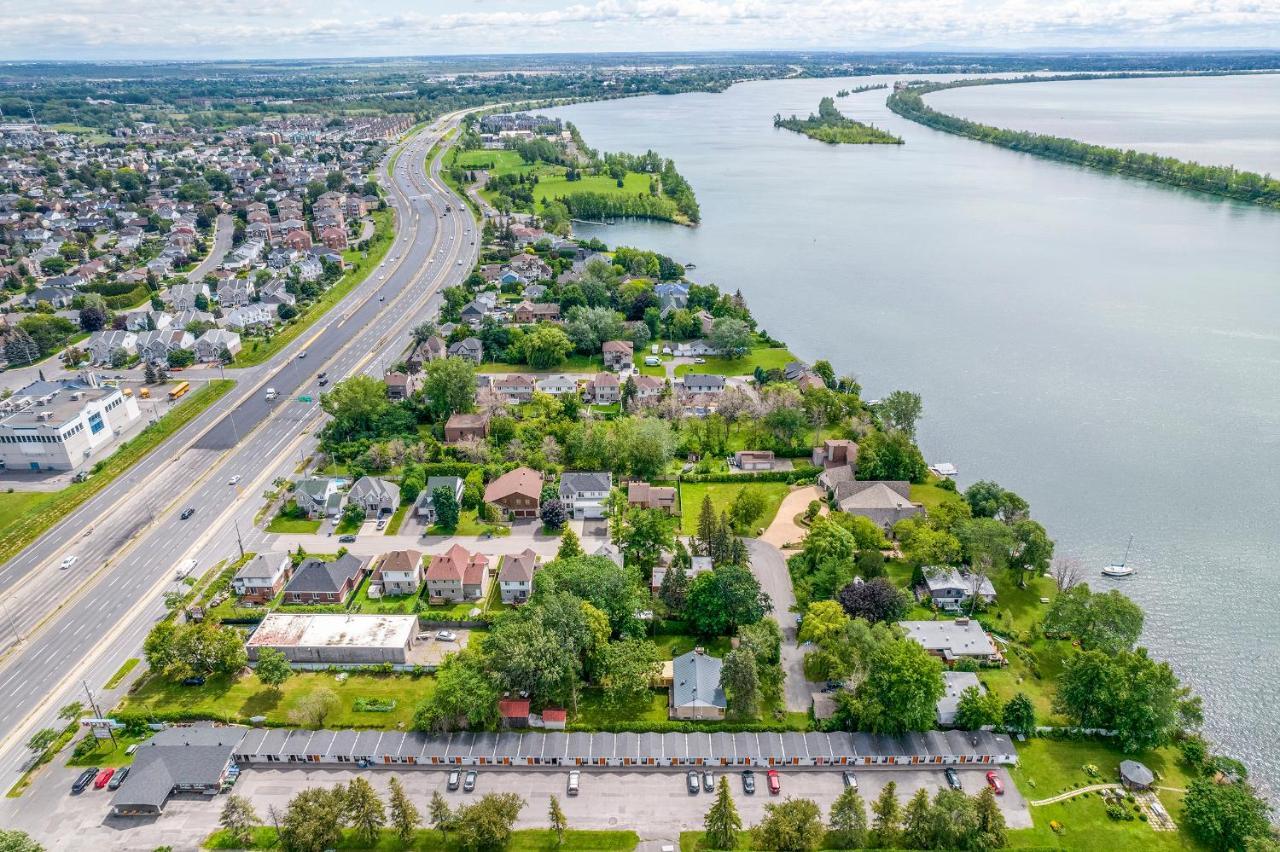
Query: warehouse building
(336, 640)
(62, 425)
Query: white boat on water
(1122, 568)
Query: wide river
(1108, 348)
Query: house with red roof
(457, 575)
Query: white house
(584, 494)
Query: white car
(447, 636)
(459, 263)
(699, 360)
(67, 562)
(233, 480)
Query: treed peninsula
(832, 127)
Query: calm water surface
(1107, 348)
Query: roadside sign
(304, 399)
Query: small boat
(1123, 568)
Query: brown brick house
(517, 492)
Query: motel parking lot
(656, 804)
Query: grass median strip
(27, 515)
(122, 673)
(429, 840)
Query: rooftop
(334, 631)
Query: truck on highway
(185, 568)
(179, 390)
(271, 394)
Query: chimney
(962, 620)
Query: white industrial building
(61, 425)
(336, 640)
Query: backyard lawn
(391, 604)
(931, 496)
(237, 699)
(767, 358)
(594, 712)
(722, 494)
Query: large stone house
(457, 575)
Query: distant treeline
(844, 93)
(833, 128)
(598, 206)
(1224, 181)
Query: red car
(775, 783)
(103, 777)
(996, 784)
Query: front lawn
(722, 494)
(108, 754)
(238, 699)
(766, 358)
(393, 525)
(293, 526)
(470, 524)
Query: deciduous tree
(314, 707)
(314, 819)
(364, 810)
(741, 683)
(847, 822)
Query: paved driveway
(784, 529)
(770, 568)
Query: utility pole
(13, 624)
(239, 541)
(97, 714)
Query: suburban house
(950, 588)
(431, 349)
(515, 387)
(318, 497)
(530, 312)
(835, 452)
(400, 385)
(953, 640)
(517, 492)
(262, 577)
(319, 582)
(103, 346)
(753, 459)
(642, 495)
(954, 684)
(698, 383)
(466, 427)
(375, 495)
(583, 494)
(155, 346)
(698, 565)
(181, 759)
(618, 355)
(671, 295)
(648, 387)
(399, 572)
(457, 575)
(210, 345)
(515, 579)
(424, 507)
(468, 349)
(560, 385)
(884, 502)
(695, 687)
(603, 389)
(695, 349)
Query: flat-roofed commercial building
(336, 639)
(61, 425)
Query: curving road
(65, 627)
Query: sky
(226, 29)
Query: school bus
(144, 393)
(179, 390)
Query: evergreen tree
(991, 825)
(737, 552)
(917, 830)
(149, 373)
(559, 823)
(570, 546)
(885, 817)
(847, 823)
(364, 809)
(674, 589)
(722, 822)
(441, 815)
(405, 818)
(707, 524)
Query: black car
(454, 775)
(197, 680)
(346, 539)
(84, 779)
(693, 782)
(323, 382)
(118, 779)
(748, 782)
(187, 512)
(953, 778)
(469, 783)
(849, 780)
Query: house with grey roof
(951, 588)
(584, 493)
(318, 497)
(695, 691)
(103, 346)
(181, 759)
(262, 577)
(883, 502)
(375, 495)
(318, 582)
(959, 639)
(469, 349)
(694, 383)
(515, 578)
(424, 507)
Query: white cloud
(217, 28)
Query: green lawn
(108, 754)
(122, 673)
(237, 699)
(495, 162)
(470, 524)
(765, 357)
(575, 363)
(552, 186)
(393, 604)
(672, 646)
(293, 526)
(722, 494)
(393, 525)
(430, 840)
(451, 612)
(931, 496)
(24, 515)
(593, 711)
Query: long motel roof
(278, 744)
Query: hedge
(789, 476)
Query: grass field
(24, 515)
(294, 526)
(237, 699)
(108, 754)
(593, 711)
(553, 186)
(766, 358)
(122, 673)
(722, 494)
(470, 524)
(394, 604)
(429, 840)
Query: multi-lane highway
(65, 626)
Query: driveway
(784, 530)
(770, 568)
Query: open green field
(722, 494)
(495, 162)
(293, 526)
(553, 186)
(430, 840)
(766, 358)
(24, 515)
(237, 699)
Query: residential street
(770, 568)
(223, 231)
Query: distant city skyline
(213, 29)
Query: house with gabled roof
(318, 582)
(515, 578)
(457, 575)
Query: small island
(830, 126)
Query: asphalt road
(770, 568)
(82, 623)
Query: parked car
(953, 778)
(382, 523)
(118, 779)
(188, 512)
(708, 781)
(692, 782)
(346, 539)
(993, 780)
(775, 783)
(748, 782)
(574, 777)
(454, 776)
(84, 779)
(469, 782)
(699, 360)
(446, 636)
(68, 561)
(104, 778)
(197, 680)
(849, 780)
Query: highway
(62, 627)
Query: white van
(652, 361)
(271, 394)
